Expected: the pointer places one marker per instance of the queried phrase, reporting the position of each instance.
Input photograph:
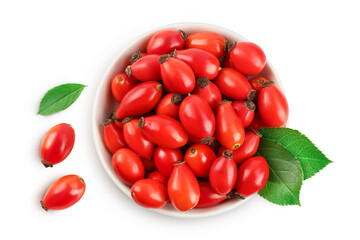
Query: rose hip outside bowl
(104, 103)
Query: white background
(314, 46)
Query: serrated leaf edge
(295, 204)
(311, 143)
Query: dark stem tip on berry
(225, 102)
(126, 120)
(202, 82)
(193, 150)
(176, 99)
(261, 80)
(43, 206)
(46, 164)
(173, 53)
(238, 195)
(183, 34)
(257, 132)
(128, 70)
(268, 83)
(141, 122)
(179, 163)
(236, 146)
(230, 194)
(250, 106)
(107, 121)
(251, 95)
(135, 56)
(163, 58)
(114, 117)
(159, 87)
(207, 141)
(227, 154)
(230, 46)
(81, 180)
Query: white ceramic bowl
(104, 104)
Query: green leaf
(311, 159)
(285, 176)
(60, 98)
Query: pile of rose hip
(185, 127)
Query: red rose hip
(146, 68)
(149, 193)
(248, 58)
(197, 117)
(139, 100)
(252, 176)
(57, 144)
(209, 41)
(273, 107)
(233, 84)
(222, 176)
(166, 41)
(178, 77)
(246, 150)
(208, 91)
(163, 131)
(63, 193)
(229, 129)
(183, 188)
(204, 64)
(128, 166)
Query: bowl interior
(104, 104)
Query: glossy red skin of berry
(165, 41)
(246, 150)
(139, 100)
(248, 58)
(244, 111)
(128, 166)
(252, 176)
(199, 158)
(183, 188)
(149, 193)
(167, 107)
(257, 123)
(233, 84)
(164, 131)
(63, 193)
(226, 62)
(222, 175)
(177, 76)
(229, 130)
(113, 137)
(146, 68)
(208, 197)
(210, 92)
(257, 83)
(197, 117)
(121, 84)
(273, 106)
(165, 158)
(57, 144)
(135, 139)
(209, 41)
(204, 64)
(156, 175)
(149, 163)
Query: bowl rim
(95, 125)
